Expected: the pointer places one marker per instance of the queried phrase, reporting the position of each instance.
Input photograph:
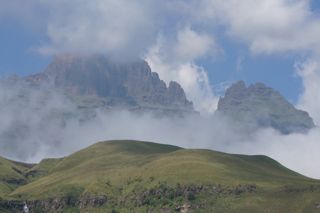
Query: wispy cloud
(175, 60)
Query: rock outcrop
(129, 84)
(261, 106)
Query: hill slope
(132, 176)
(11, 175)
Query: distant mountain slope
(133, 176)
(122, 84)
(261, 106)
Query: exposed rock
(12, 205)
(189, 193)
(240, 189)
(297, 189)
(60, 204)
(183, 209)
(129, 84)
(261, 106)
(96, 201)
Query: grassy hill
(11, 175)
(133, 176)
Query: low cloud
(310, 99)
(299, 152)
(44, 123)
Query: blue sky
(19, 55)
(16, 53)
(238, 63)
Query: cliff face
(261, 106)
(130, 84)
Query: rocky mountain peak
(129, 84)
(237, 91)
(261, 106)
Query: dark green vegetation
(132, 176)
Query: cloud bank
(41, 122)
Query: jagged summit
(130, 84)
(262, 106)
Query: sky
(29, 37)
(205, 45)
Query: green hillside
(133, 176)
(11, 175)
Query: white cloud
(191, 45)
(175, 60)
(115, 27)
(268, 26)
(310, 99)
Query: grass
(11, 175)
(42, 169)
(125, 170)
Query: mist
(40, 122)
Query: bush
(191, 196)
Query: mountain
(260, 106)
(134, 176)
(131, 85)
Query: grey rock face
(130, 84)
(261, 106)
